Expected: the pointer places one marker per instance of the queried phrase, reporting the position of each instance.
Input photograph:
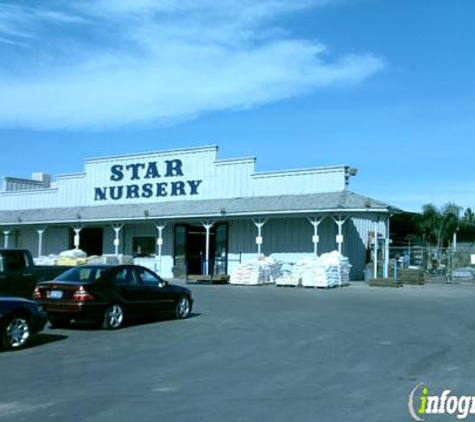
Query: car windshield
(82, 274)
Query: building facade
(189, 211)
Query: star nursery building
(189, 211)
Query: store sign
(147, 180)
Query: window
(125, 277)
(144, 246)
(15, 260)
(180, 245)
(82, 274)
(147, 277)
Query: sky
(384, 86)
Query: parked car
(19, 319)
(110, 293)
(19, 274)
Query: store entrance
(196, 249)
(91, 240)
(190, 249)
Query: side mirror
(162, 284)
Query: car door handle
(27, 275)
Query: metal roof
(344, 202)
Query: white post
(375, 250)
(6, 240)
(160, 227)
(117, 228)
(315, 222)
(40, 232)
(339, 237)
(259, 223)
(77, 240)
(386, 252)
(207, 225)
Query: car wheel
(182, 307)
(59, 322)
(15, 333)
(113, 317)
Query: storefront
(187, 210)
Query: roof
(343, 202)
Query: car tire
(182, 307)
(113, 317)
(59, 322)
(15, 332)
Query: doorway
(190, 249)
(90, 240)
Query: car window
(125, 277)
(148, 277)
(82, 274)
(15, 260)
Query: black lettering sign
(147, 171)
(117, 173)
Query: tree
(437, 226)
(468, 217)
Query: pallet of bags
(326, 271)
(263, 270)
(289, 277)
(111, 259)
(46, 260)
(72, 257)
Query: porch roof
(344, 202)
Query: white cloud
(130, 62)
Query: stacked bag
(72, 257)
(75, 257)
(289, 277)
(328, 270)
(263, 270)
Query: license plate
(55, 294)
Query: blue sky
(386, 86)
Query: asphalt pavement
(253, 354)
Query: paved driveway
(254, 354)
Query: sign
(152, 179)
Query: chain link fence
(448, 265)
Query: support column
(386, 252)
(40, 231)
(375, 249)
(259, 223)
(6, 240)
(77, 239)
(339, 221)
(160, 227)
(117, 228)
(207, 225)
(315, 222)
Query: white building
(189, 207)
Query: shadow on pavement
(132, 322)
(42, 338)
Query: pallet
(327, 287)
(385, 282)
(208, 279)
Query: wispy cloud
(108, 63)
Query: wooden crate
(411, 277)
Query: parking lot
(253, 354)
